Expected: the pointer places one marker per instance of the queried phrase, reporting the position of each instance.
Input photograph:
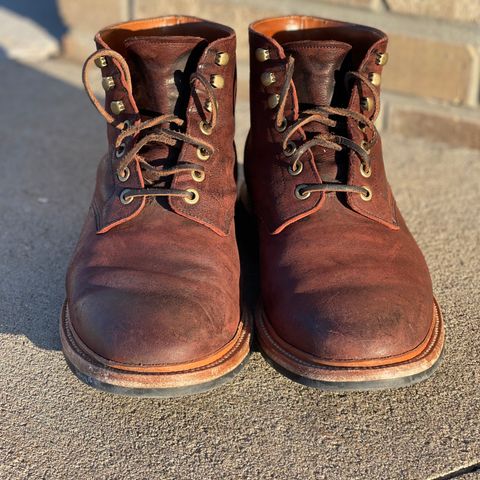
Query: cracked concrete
(261, 426)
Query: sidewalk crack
(460, 472)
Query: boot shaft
(324, 51)
(346, 296)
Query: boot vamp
(342, 287)
(159, 289)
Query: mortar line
(131, 9)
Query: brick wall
(431, 83)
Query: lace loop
(105, 52)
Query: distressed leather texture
(156, 282)
(341, 278)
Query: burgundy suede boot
(347, 300)
(153, 304)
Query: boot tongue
(161, 69)
(316, 65)
(316, 62)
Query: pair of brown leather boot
(153, 289)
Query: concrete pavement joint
(460, 472)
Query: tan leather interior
(115, 35)
(299, 27)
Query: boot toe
(137, 329)
(354, 324)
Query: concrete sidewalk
(261, 426)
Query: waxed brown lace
(327, 139)
(157, 132)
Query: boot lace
(155, 131)
(327, 139)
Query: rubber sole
(339, 387)
(341, 379)
(184, 380)
(156, 392)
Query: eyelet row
(108, 83)
(381, 59)
(117, 107)
(366, 104)
(216, 81)
(269, 78)
(221, 59)
(266, 79)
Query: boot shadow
(51, 143)
(247, 240)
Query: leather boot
(347, 299)
(152, 305)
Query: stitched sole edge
(120, 382)
(392, 376)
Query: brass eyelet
(217, 81)
(117, 107)
(120, 150)
(362, 126)
(124, 198)
(206, 128)
(364, 145)
(365, 171)
(208, 106)
(108, 83)
(273, 100)
(366, 103)
(101, 62)
(198, 175)
(262, 54)
(375, 79)
(291, 149)
(194, 198)
(295, 171)
(202, 153)
(268, 78)
(282, 127)
(124, 175)
(301, 195)
(368, 196)
(126, 124)
(222, 59)
(381, 58)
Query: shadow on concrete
(43, 12)
(51, 143)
